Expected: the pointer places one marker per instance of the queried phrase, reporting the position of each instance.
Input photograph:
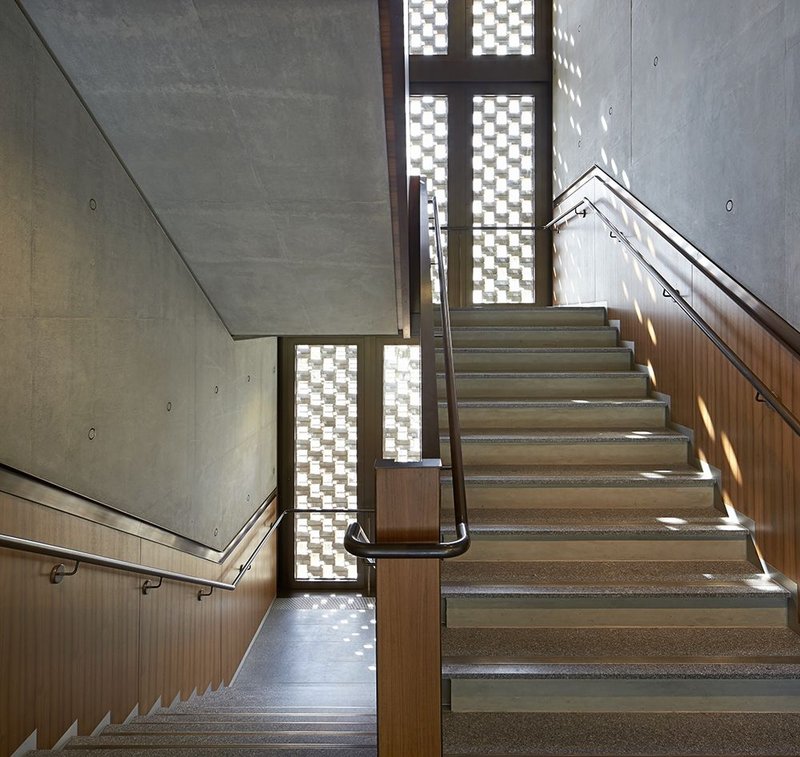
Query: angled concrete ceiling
(255, 129)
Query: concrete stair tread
(199, 738)
(539, 328)
(294, 749)
(592, 402)
(567, 436)
(577, 520)
(538, 350)
(757, 667)
(629, 578)
(639, 590)
(211, 725)
(625, 734)
(211, 715)
(530, 308)
(719, 529)
(615, 643)
(584, 475)
(546, 375)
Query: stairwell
(607, 606)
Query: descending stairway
(607, 606)
(228, 730)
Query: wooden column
(409, 660)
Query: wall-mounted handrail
(355, 540)
(763, 392)
(756, 308)
(89, 558)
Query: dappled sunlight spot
(638, 311)
(652, 290)
(637, 231)
(673, 521)
(704, 466)
(651, 474)
(604, 123)
(728, 527)
(762, 583)
(730, 456)
(651, 330)
(652, 373)
(637, 270)
(651, 246)
(705, 416)
(603, 155)
(727, 503)
(625, 291)
(625, 180)
(614, 167)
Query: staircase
(231, 729)
(607, 605)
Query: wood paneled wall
(95, 644)
(758, 455)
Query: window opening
(326, 457)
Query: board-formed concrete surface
(119, 381)
(256, 131)
(691, 104)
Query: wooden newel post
(409, 663)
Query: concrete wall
(103, 328)
(256, 131)
(692, 104)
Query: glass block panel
(427, 156)
(502, 27)
(326, 454)
(402, 402)
(502, 195)
(427, 27)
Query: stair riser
(577, 453)
(553, 550)
(633, 386)
(625, 695)
(663, 498)
(527, 317)
(503, 361)
(601, 337)
(611, 612)
(531, 418)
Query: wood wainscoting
(94, 644)
(757, 453)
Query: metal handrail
(767, 318)
(763, 393)
(89, 558)
(355, 540)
